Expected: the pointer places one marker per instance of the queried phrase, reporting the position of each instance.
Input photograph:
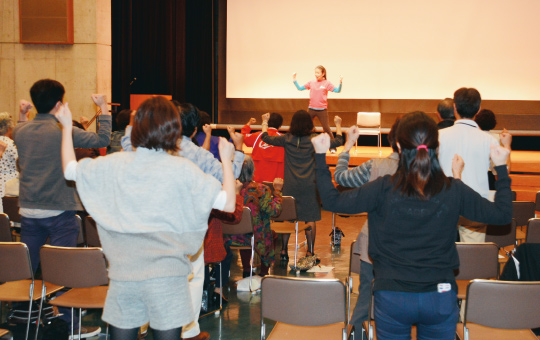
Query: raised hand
(457, 166)
(63, 114)
(207, 129)
(499, 155)
(294, 76)
(226, 150)
(506, 139)
(24, 106)
(352, 136)
(252, 121)
(337, 120)
(99, 99)
(265, 117)
(237, 138)
(278, 183)
(321, 143)
(341, 78)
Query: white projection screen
(385, 49)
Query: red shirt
(268, 159)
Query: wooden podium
(135, 100)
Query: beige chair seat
(3, 332)
(287, 228)
(366, 326)
(92, 297)
(18, 290)
(478, 332)
(286, 331)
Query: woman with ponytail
(413, 218)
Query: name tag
(444, 287)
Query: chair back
(90, 232)
(5, 229)
(269, 185)
(243, 227)
(537, 201)
(502, 235)
(503, 304)
(11, 208)
(533, 231)
(15, 262)
(354, 262)
(73, 267)
(303, 301)
(368, 119)
(477, 261)
(80, 238)
(288, 210)
(523, 211)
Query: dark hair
(122, 119)
(248, 168)
(275, 120)
(77, 124)
(419, 173)
(301, 124)
(157, 125)
(392, 135)
(45, 94)
(467, 102)
(189, 114)
(485, 119)
(204, 119)
(446, 108)
(323, 70)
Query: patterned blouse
(8, 166)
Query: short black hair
(205, 119)
(122, 119)
(275, 120)
(301, 124)
(189, 114)
(467, 102)
(486, 120)
(45, 93)
(446, 108)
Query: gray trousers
(361, 309)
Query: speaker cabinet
(46, 22)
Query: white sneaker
(86, 332)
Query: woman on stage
(318, 93)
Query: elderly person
(264, 204)
(8, 155)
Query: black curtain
(167, 46)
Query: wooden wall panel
(46, 22)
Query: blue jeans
(62, 231)
(435, 315)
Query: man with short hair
(465, 139)
(48, 202)
(445, 112)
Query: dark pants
(225, 270)
(62, 231)
(323, 118)
(435, 315)
(360, 313)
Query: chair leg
(80, 322)
(30, 309)
(72, 325)
(251, 262)
(296, 247)
(221, 286)
(334, 228)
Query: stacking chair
(533, 231)
(503, 236)
(84, 270)
(91, 236)
(369, 124)
(537, 203)
(282, 223)
(11, 208)
(476, 261)
(3, 332)
(19, 283)
(5, 229)
(245, 226)
(304, 308)
(501, 310)
(522, 212)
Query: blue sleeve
(300, 88)
(337, 89)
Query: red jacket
(268, 159)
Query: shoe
(245, 274)
(200, 336)
(284, 257)
(86, 332)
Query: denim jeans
(435, 315)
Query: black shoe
(284, 257)
(245, 274)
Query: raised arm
(68, 153)
(338, 89)
(101, 139)
(271, 140)
(226, 152)
(207, 129)
(300, 88)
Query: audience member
(81, 153)
(413, 261)
(47, 201)
(264, 204)
(473, 145)
(445, 112)
(354, 178)
(122, 121)
(148, 229)
(268, 159)
(204, 135)
(8, 155)
(299, 173)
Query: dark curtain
(167, 46)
